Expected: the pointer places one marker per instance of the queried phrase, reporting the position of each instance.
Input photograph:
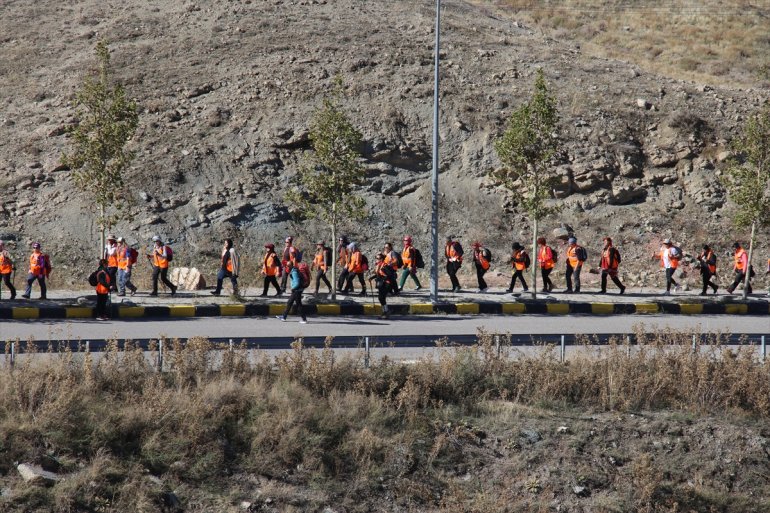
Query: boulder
(187, 278)
(624, 192)
(36, 475)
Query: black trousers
(451, 270)
(480, 272)
(670, 278)
(321, 275)
(739, 277)
(113, 272)
(7, 280)
(518, 275)
(271, 280)
(614, 278)
(573, 273)
(382, 294)
(349, 282)
(295, 300)
(706, 277)
(343, 277)
(101, 305)
(547, 283)
(163, 274)
(284, 277)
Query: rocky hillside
(226, 90)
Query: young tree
(526, 149)
(748, 179)
(107, 120)
(331, 172)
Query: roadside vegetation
(657, 427)
(709, 41)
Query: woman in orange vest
(546, 257)
(103, 287)
(159, 261)
(392, 259)
(384, 276)
(741, 267)
(669, 260)
(609, 265)
(520, 261)
(576, 255)
(229, 266)
(343, 259)
(126, 260)
(321, 262)
(482, 264)
(356, 268)
(6, 269)
(39, 269)
(271, 267)
(409, 258)
(111, 255)
(453, 252)
(289, 255)
(708, 268)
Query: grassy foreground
(658, 427)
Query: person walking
(481, 263)
(356, 268)
(576, 256)
(111, 255)
(295, 299)
(669, 261)
(127, 257)
(393, 259)
(708, 268)
(384, 277)
(546, 258)
(6, 270)
(343, 259)
(103, 288)
(609, 263)
(409, 259)
(520, 261)
(321, 263)
(271, 268)
(741, 267)
(289, 255)
(159, 258)
(39, 270)
(453, 251)
(229, 267)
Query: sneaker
(509, 290)
(281, 318)
(121, 295)
(25, 296)
(702, 293)
(715, 290)
(622, 290)
(481, 291)
(603, 292)
(418, 288)
(677, 288)
(303, 321)
(667, 293)
(526, 289)
(173, 291)
(729, 290)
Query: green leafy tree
(107, 120)
(526, 149)
(748, 179)
(331, 172)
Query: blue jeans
(30, 280)
(124, 280)
(221, 275)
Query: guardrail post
(628, 346)
(694, 344)
(13, 353)
(563, 348)
(497, 345)
(231, 345)
(160, 355)
(764, 349)
(366, 352)
(88, 346)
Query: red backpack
(304, 274)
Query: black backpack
(487, 254)
(399, 260)
(92, 279)
(328, 257)
(581, 254)
(555, 254)
(418, 261)
(458, 248)
(527, 260)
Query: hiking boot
(602, 292)
(715, 290)
(568, 291)
(509, 290)
(133, 292)
(25, 296)
(702, 293)
(622, 290)
(173, 291)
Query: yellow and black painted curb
(353, 309)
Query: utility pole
(434, 191)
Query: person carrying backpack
(546, 258)
(453, 251)
(708, 268)
(576, 256)
(229, 265)
(356, 268)
(271, 267)
(394, 260)
(343, 259)
(384, 277)
(297, 288)
(520, 262)
(126, 256)
(159, 258)
(289, 255)
(111, 255)
(609, 263)
(39, 270)
(321, 263)
(6, 269)
(481, 262)
(412, 259)
(103, 287)
(669, 260)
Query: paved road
(236, 328)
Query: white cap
(666, 241)
(155, 238)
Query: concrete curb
(353, 309)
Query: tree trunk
(747, 276)
(102, 233)
(533, 259)
(334, 252)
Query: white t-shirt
(666, 252)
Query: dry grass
(311, 428)
(709, 41)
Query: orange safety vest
(343, 256)
(391, 260)
(572, 256)
(269, 267)
(545, 258)
(705, 257)
(122, 257)
(37, 265)
(739, 265)
(674, 261)
(158, 258)
(451, 253)
(518, 260)
(289, 255)
(479, 256)
(320, 260)
(101, 289)
(6, 265)
(356, 264)
(608, 262)
(406, 256)
(112, 255)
